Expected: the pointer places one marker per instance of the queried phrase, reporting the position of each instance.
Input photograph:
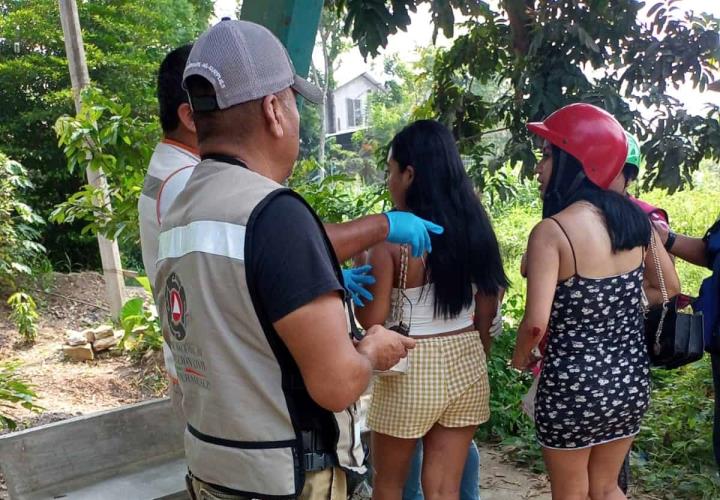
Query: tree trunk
(323, 131)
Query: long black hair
(627, 225)
(467, 252)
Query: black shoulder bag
(674, 336)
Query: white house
(347, 112)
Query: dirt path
(500, 480)
(68, 388)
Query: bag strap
(658, 268)
(663, 290)
(397, 306)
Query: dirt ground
(66, 388)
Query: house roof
(365, 75)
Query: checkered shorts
(447, 383)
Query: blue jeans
(469, 484)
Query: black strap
(248, 445)
(569, 241)
(224, 158)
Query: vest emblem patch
(175, 306)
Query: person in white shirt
(174, 157)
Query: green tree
(125, 41)
(543, 55)
(106, 136)
(18, 225)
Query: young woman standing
(449, 301)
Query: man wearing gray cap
(249, 289)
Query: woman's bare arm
(485, 311)
(376, 311)
(543, 265)
(651, 280)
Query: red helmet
(590, 134)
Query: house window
(355, 112)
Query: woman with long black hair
(586, 265)
(448, 301)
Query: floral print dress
(595, 382)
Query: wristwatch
(670, 241)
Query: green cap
(633, 156)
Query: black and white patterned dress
(595, 381)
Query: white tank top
(419, 312)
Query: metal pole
(109, 252)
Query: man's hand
(355, 280)
(406, 228)
(384, 348)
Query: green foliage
(140, 324)
(675, 443)
(14, 391)
(336, 198)
(18, 224)
(125, 40)
(23, 312)
(370, 22)
(539, 56)
(106, 136)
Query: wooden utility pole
(109, 253)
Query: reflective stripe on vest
(217, 238)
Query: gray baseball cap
(243, 61)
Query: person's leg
(470, 482)
(445, 454)
(715, 360)
(606, 460)
(412, 489)
(391, 458)
(568, 471)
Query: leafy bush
(14, 391)
(140, 324)
(337, 198)
(18, 224)
(106, 136)
(24, 314)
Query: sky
(419, 34)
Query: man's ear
(185, 116)
(272, 114)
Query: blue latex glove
(406, 228)
(355, 280)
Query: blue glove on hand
(406, 228)
(355, 280)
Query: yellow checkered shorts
(447, 383)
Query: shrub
(14, 391)
(18, 225)
(140, 324)
(24, 315)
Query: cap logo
(211, 69)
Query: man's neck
(185, 141)
(256, 159)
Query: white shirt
(167, 159)
(168, 172)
